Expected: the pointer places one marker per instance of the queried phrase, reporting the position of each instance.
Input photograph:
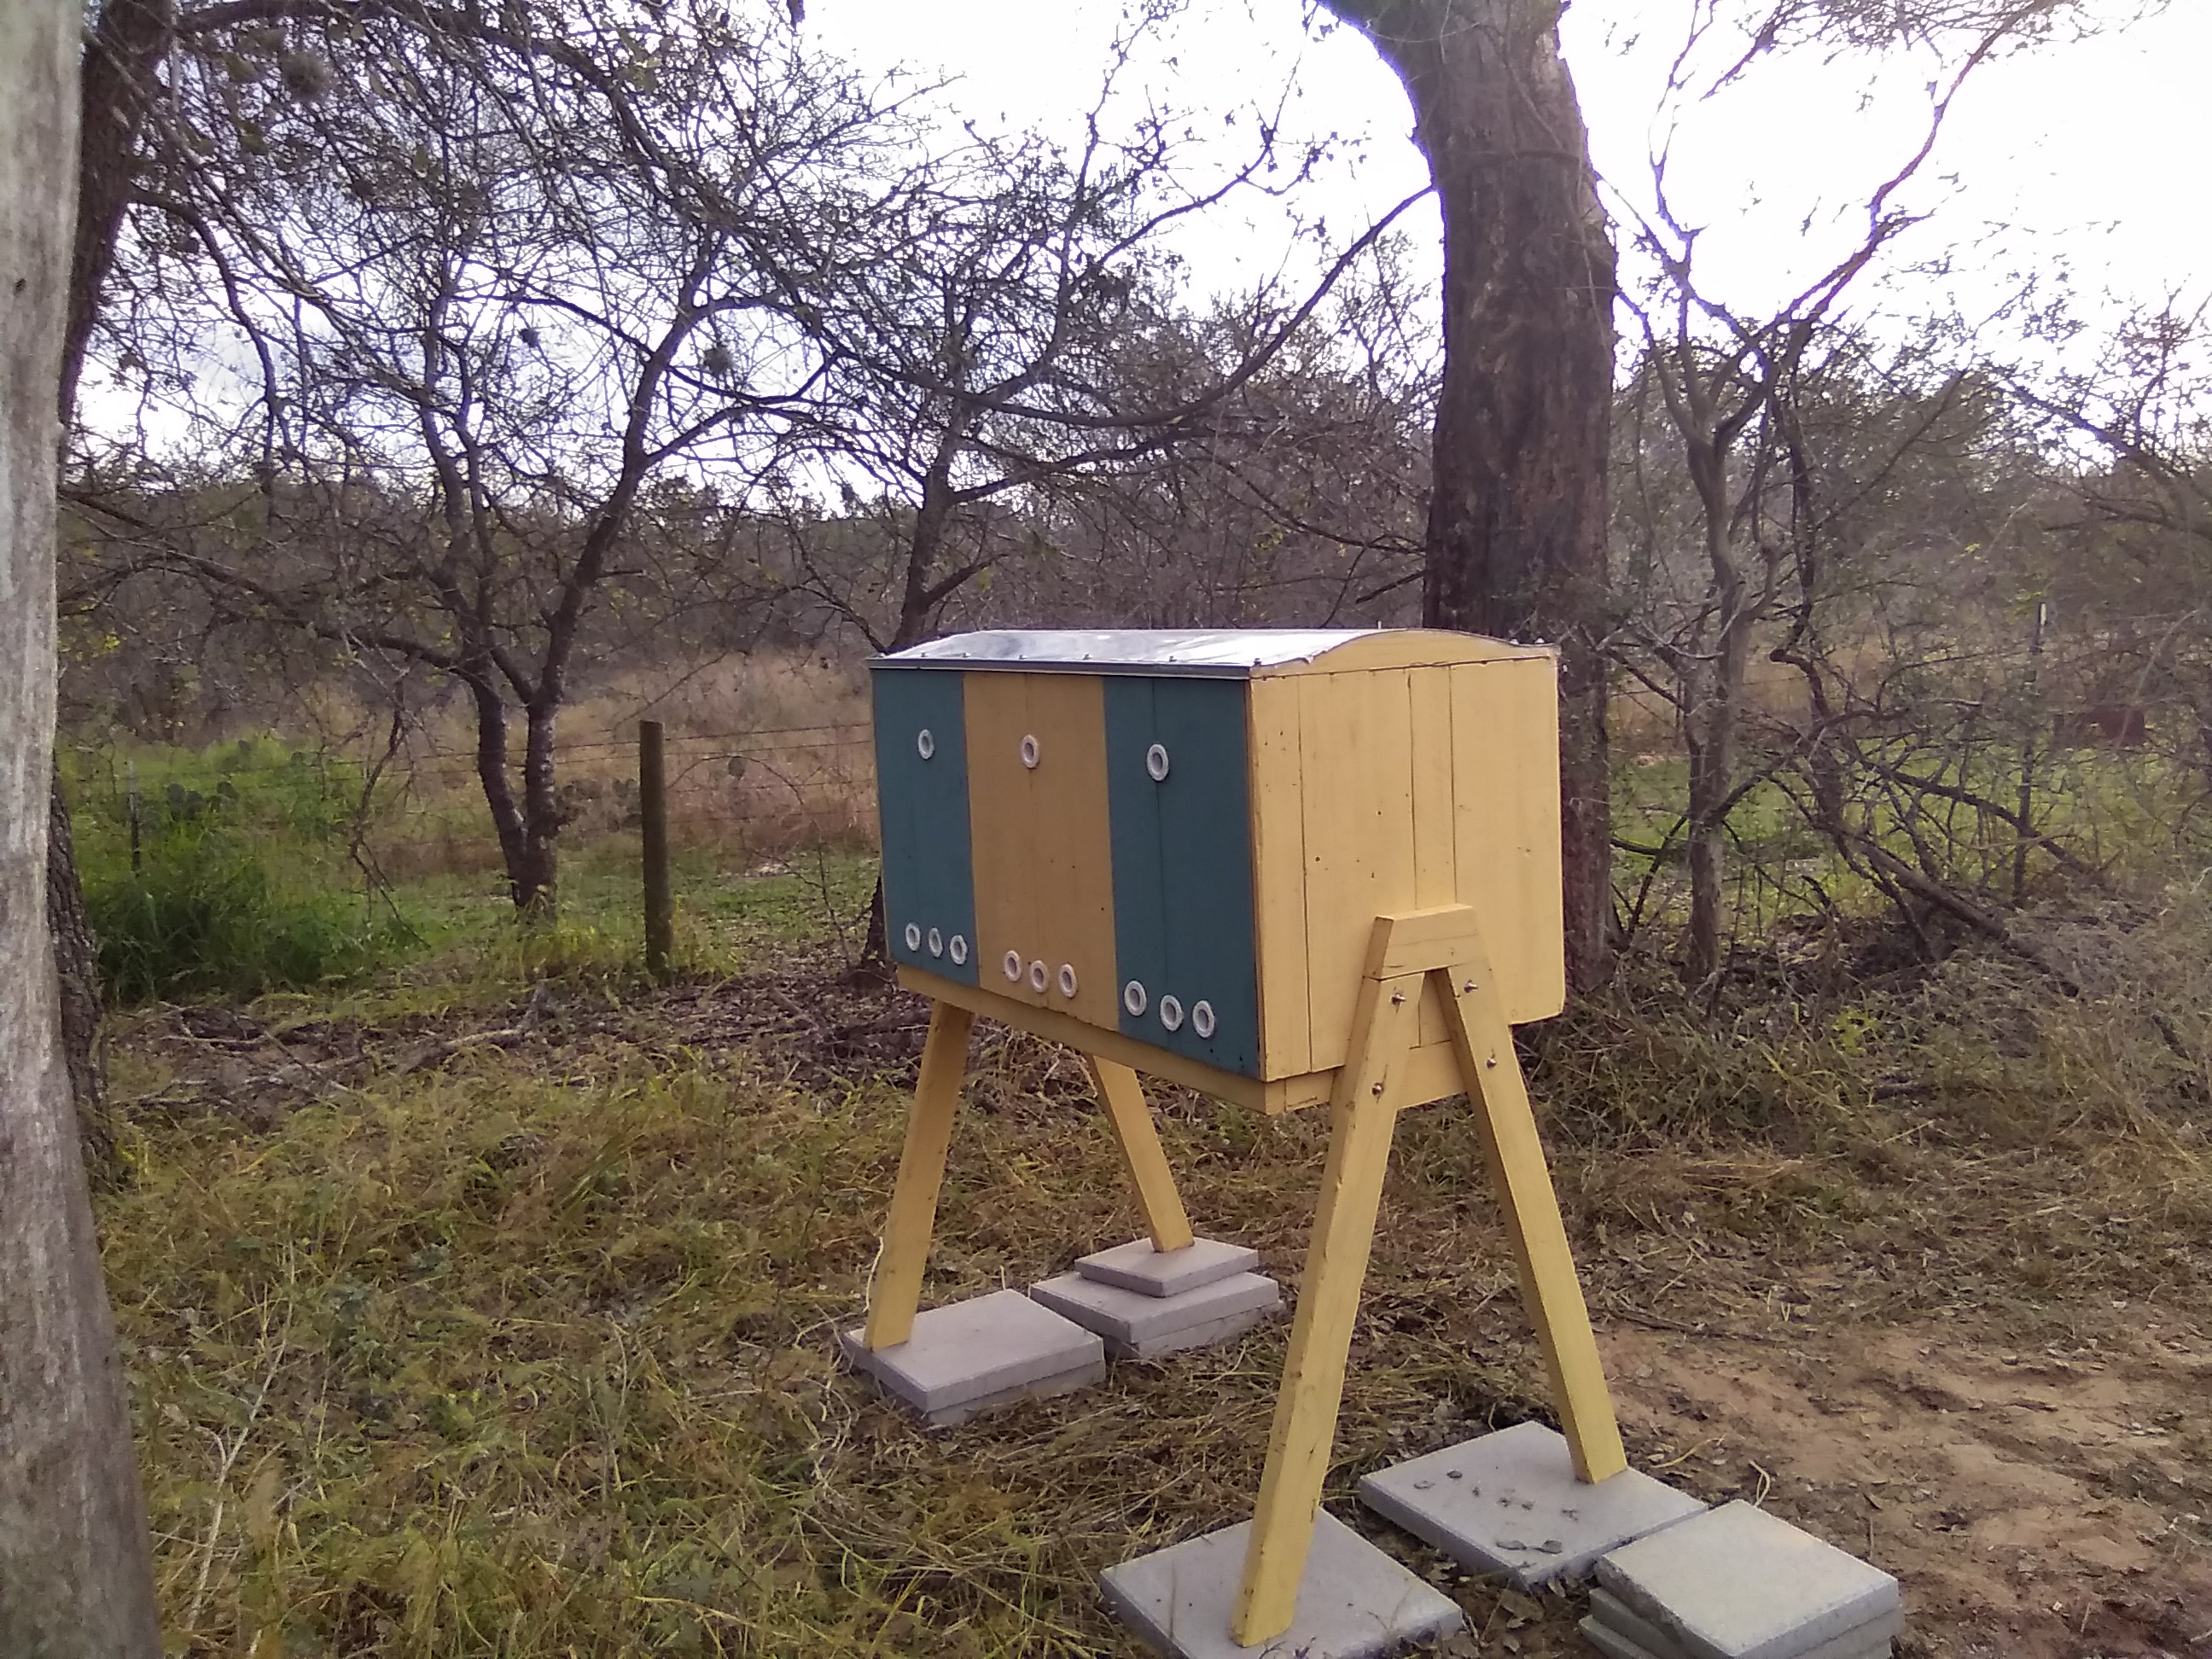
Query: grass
(448, 1347)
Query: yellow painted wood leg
(1549, 1289)
(1364, 1114)
(1164, 1216)
(895, 1293)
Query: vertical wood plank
(894, 1291)
(1436, 823)
(1549, 1290)
(996, 713)
(1278, 876)
(1356, 754)
(1072, 844)
(1147, 1162)
(1505, 749)
(1364, 1112)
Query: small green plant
(216, 880)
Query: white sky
(2091, 152)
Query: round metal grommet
(1156, 762)
(925, 743)
(912, 937)
(1038, 976)
(936, 943)
(1068, 978)
(1201, 1018)
(1133, 998)
(957, 948)
(1013, 965)
(1030, 751)
(1171, 1013)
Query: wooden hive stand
(1409, 952)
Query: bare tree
(76, 1558)
(484, 283)
(1732, 385)
(1024, 334)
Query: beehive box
(1170, 848)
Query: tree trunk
(507, 820)
(76, 965)
(120, 60)
(1515, 543)
(536, 885)
(76, 1558)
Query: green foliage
(231, 887)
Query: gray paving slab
(1194, 1336)
(1857, 1642)
(1737, 1582)
(1134, 1323)
(1608, 1641)
(1137, 1267)
(967, 1357)
(1509, 1502)
(1354, 1602)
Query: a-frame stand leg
(1363, 1115)
(895, 1293)
(1446, 945)
(1549, 1290)
(1124, 1097)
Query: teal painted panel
(921, 801)
(1182, 865)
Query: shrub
(230, 893)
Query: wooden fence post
(652, 808)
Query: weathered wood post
(652, 808)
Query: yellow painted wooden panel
(1055, 1026)
(1044, 866)
(1355, 747)
(1401, 647)
(1073, 839)
(1505, 747)
(1279, 878)
(999, 829)
(1436, 826)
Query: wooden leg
(1363, 1115)
(1549, 1288)
(1149, 1174)
(896, 1289)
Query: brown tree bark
(76, 972)
(1515, 543)
(76, 1558)
(121, 59)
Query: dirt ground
(2049, 1504)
